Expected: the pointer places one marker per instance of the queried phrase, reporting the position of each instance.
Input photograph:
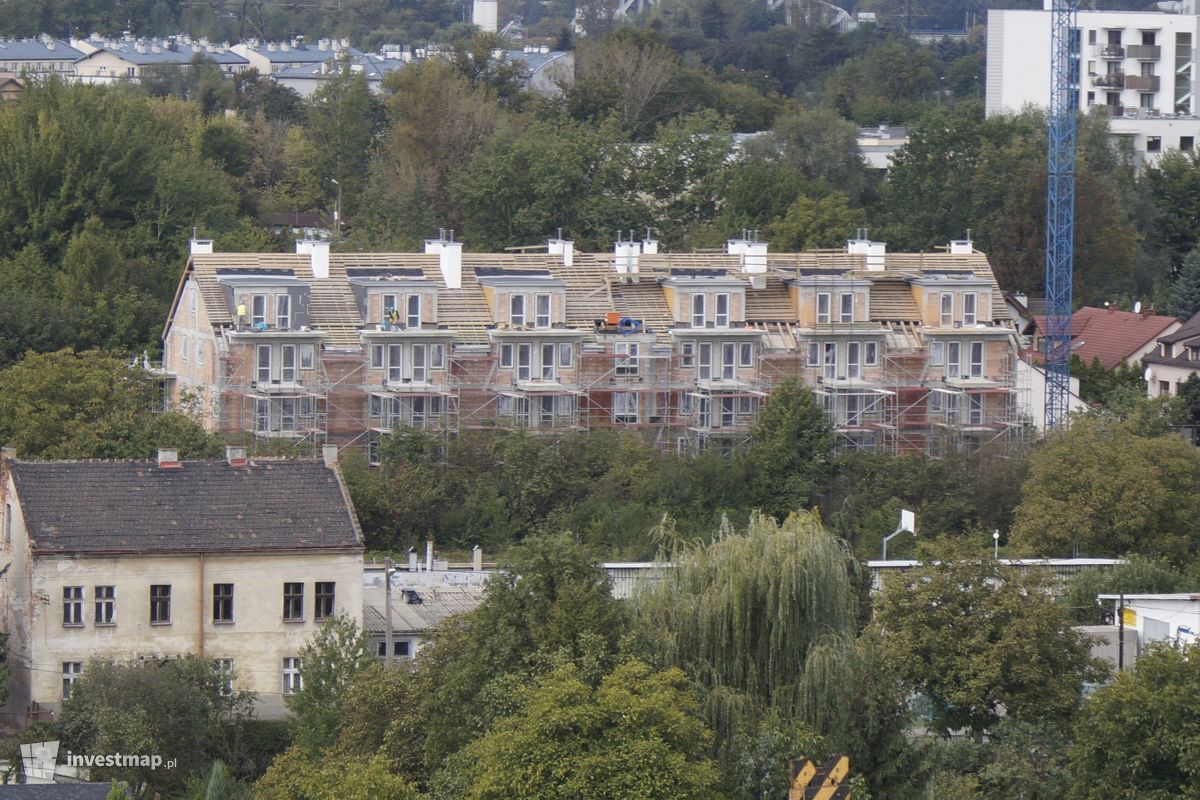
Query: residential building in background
(1138, 66)
(41, 56)
(236, 561)
(131, 58)
(906, 352)
(1174, 359)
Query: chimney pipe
(477, 558)
(429, 556)
(414, 564)
(168, 458)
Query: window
(307, 356)
(541, 317)
(847, 308)
(293, 601)
(822, 307)
(870, 354)
(1148, 38)
(191, 292)
(160, 604)
(73, 606)
(437, 356)
(947, 314)
(524, 362)
(728, 361)
(1091, 37)
(697, 310)
(976, 359)
(399, 649)
(829, 371)
(106, 605)
(546, 410)
(223, 667)
(566, 354)
(287, 366)
(704, 363)
(976, 409)
(418, 362)
(969, 316)
(388, 310)
(414, 311)
(262, 414)
(395, 363)
(376, 356)
(625, 408)
(746, 355)
(627, 357)
(853, 360)
(1187, 143)
(263, 372)
(506, 356)
(199, 353)
(71, 671)
(283, 311)
(1153, 144)
(814, 354)
(293, 681)
(375, 406)
(727, 411)
(516, 309)
(222, 602)
(687, 354)
(1146, 101)
(323, 596)
(548, 361)
(853, 410)
(258, 309)
(953, 360)
(185, 348)
(1091, 96)
(722, 315)
(937, 354)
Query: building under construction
(906, 352)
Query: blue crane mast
(1060, 209)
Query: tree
(790, 450)
(296, 775)
(822, 146)
(177, 708)
(91, 405)
(976, 638)
(331, 660)
(1139, 575)
(638, 734)
(1134, 738)
(810, 224)
(1101, 489)
(342, 120)
(1185, 289)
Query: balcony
(1115, 111)
(1113, 80)
(1144, 52)
(1111, 51)
(1142, 83)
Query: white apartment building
(1138, 65)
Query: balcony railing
(1110, 51)
(1142, 83)
(1144, 52)
(1113, 80)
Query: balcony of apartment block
(1142, 83)
(1110, 51)
(1144, 52)
(1113, 80)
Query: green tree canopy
(790, 450)
(330, 660)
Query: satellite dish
(1137, 307)
(1148, 375)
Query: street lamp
(337, 211)
(388, 569)
(996, 544)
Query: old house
(238, 561)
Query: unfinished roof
(200, 506)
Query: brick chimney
(236, 456)
(168, 458)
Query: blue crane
(1060, 210)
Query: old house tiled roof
(200, 506)
(1112, 336)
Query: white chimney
(329, 454)
(649, 246)
(753, 254)
(874, 251)
(562, 247)
(414, 561)
(236, 456)
(962, 247)
(168, 458)
(202, 246)
(429, 556)
(477, 558)
(625, 257)
(319, 250)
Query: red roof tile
(1112, 335)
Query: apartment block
(907, 352)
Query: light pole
(908, 522)
(388, 569)
(996, 544)
(337, 210)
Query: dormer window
(947, 315)
(258, 309)
(822, 308)
(698, 310)
(388, 312)
(847, 307)
(414, 311)
(516, 309)
(283, 311)
(969, 308)
(722, 317)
